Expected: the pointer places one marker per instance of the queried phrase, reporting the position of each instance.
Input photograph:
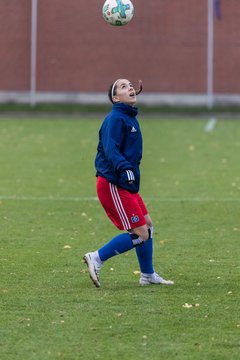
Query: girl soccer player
(119, 153)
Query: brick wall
(15, 44)
(165, 45)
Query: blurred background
(185, 51)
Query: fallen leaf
(67, 247)
(186, 305)
(136, 272)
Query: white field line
(47, 198)
(93, 198)
(210, 125)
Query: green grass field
(50, 217)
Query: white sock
(97, 258)
(147, 274)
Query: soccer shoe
(93, 268)
(147, 279)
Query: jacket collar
(128, 109)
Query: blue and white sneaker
(94, 267)
(148, 279)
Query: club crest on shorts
(134, 219)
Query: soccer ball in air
(118, 12)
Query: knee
(144, 234)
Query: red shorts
(124, 209)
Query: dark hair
(110, 93)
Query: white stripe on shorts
(119, 207)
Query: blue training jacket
(120, 147)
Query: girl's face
(124, 92)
